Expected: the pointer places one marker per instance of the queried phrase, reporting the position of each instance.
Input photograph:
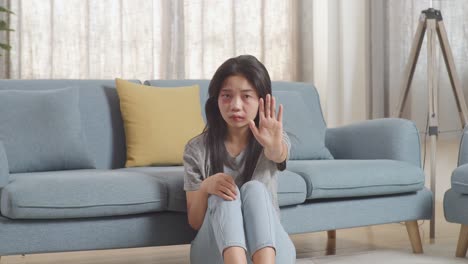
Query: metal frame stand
(431, 21)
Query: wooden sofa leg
(415, 238)
(331, 243)
(462, 242)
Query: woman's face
(238, 102)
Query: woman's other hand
(222, 185)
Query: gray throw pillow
(304, 126)
(41, 130)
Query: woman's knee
(215, 200)
(256, 192)
(252, 187)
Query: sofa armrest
(4, 169)
(463, 152)
(388, 138)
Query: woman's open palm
(270, 128)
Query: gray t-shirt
(197, 167)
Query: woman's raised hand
(270, 128)
(221, 185)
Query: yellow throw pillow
(158, 122)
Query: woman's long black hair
(216, 128)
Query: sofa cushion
(351, 178)
(41, 130)
(307, 138)
(80, 194)
(291, 186)
(173, 179)
(460, 179)
(158, 122)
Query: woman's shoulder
(196, 143)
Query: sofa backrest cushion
(42, 131)
(307, 138)
(100, 116)
(303, 119)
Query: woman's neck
(238, 137)
(236, 141)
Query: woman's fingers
(253, 128)
(230, 186)
(268, 106)
(224, 196)
(228, 178)
(227, 187)
(273, 107)
(230, 183)
(227, 191)
(261, 110)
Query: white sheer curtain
(401, 19)
(324, 42)
(147, 39)
(341, 59)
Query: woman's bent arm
(197, 202)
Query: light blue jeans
(249, 222)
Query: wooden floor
(312, 245)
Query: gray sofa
(357, 175)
